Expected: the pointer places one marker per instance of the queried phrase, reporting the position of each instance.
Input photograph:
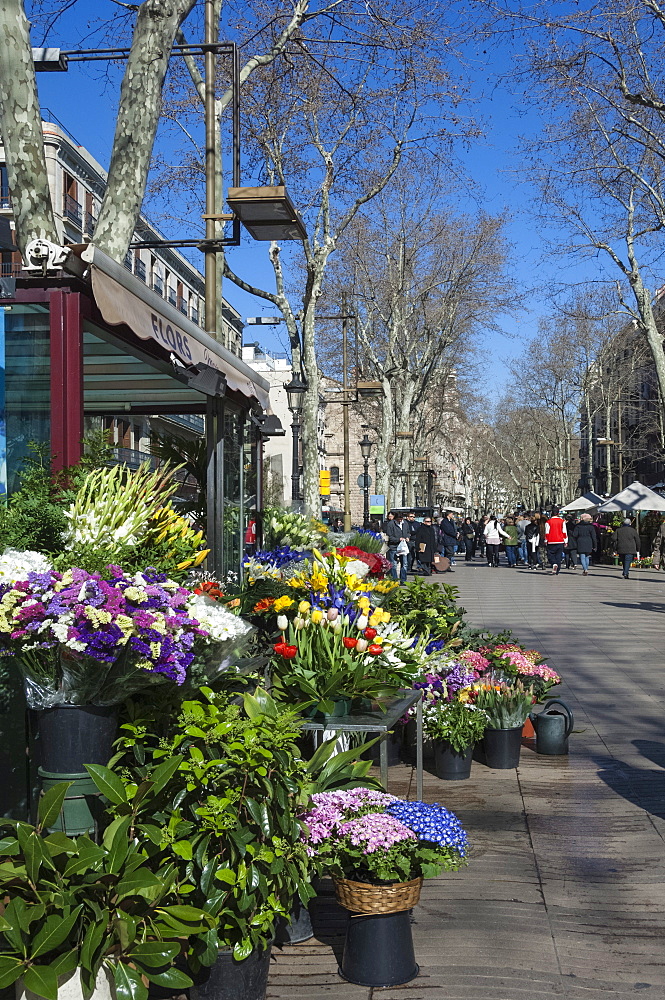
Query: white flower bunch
(15, 565)
(219, 623)
(298, 531)
(357, 567)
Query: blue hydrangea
(432, 822)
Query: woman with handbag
(468, 532)
(426, 545)
(493, 535)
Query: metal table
(381, 721)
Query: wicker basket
(362, 897)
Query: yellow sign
(324, 483)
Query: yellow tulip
(317, 616)
(184, 565)
(304, 607)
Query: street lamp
(295, 390)
(365, 451)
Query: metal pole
(366, 494)
(345, 424)
(210, 170)
(620, 442)
(295, 464)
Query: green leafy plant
(507, 706)
(426, 608)
(72, 904)
(458, 723)
(299, 531)
(222, 815)
(368, 541)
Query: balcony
(90, 223)
(133, 458)
(73, 211)
(182, 305)
(129, 260)
(10, 270)
(158, 284)
(173, 298)
(5, 200)
(139, 268)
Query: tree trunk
(21, 129)
(138, 116)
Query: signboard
(364, 481)
(377, 503)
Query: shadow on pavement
(636, 605)
(645, 789)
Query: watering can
(552, 728)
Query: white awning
(634, 497)
(122, 298)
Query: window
(71, 208)
(90, 216)
(334, 474)
(4, 187)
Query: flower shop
(201, 744)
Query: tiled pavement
(565, 893)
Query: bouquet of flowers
(456, 722)
(79, 639)
(510, 661)
(507, 706)
(371, 836)
(286, 527)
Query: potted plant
(215, 797)
(507, 705)
(378, 849)
(455, 727)
(80, 918)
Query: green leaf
(108, 783)
(9, 847)
(128, 983)
(42, 980)
(11, 969)
(153, 954)
(226, 875)
(120, 847)
(259, 813)
(134, 882)
(172, 978)
(50, 804)
(161, 776)
(92, 941)
(54, 931)
(64, 964)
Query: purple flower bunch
(376, 837)
(83, 619)
(459, 676)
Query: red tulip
(290, 652)
(279, 647)
(349, 642)
(370, 633)
(375, 649)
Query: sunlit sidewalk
(565, 892)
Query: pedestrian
(521, 523)
(425, 542)
(413, 527)
(512, 541)
(571, 544)
(658, 545)
(448, 530)
(468, 532)
(493, 534)
(532, 536)
(627, 543)
(480, 534)
(556, 536)
(586, 539)
(398, 534)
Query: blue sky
(84, 100)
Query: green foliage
(191, 455)
(286, 527)
(426, 608)
(33, 518)
(507, 706)
(455, 722)
(365, 541)
(215, 799)
(73, 904)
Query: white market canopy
(635, 497)
(585, 502)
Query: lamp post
(365, 451)
(295, 390)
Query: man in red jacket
(556, 536)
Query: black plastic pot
(72, 736)
(297, 929)
(501, 748)
(452, 765)
(394, 743)
(378, 950)
(231, 980)
(83, 807)
(409, 751)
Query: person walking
(398, 534)
(468, 532)
(532, 536)
(586, 539)
(627, 544)
(480, 534)
(571, 545)
(512, 541)
(413, 526)
(658, 545)
(556, 536)
(521, 523)
(493, 535)
(425, 540)
(448, 530)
